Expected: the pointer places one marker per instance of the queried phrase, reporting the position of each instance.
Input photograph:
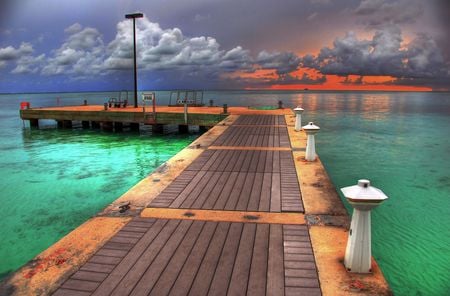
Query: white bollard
(298, 118)
(310, 130)
(363, 198)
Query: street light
(134, 16)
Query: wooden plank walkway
(185, 257)
(236, 179)
(193, 257)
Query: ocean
(53, 180)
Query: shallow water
(397, 140)
(53, 180)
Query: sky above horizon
(83, 45)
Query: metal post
(134, 16)
(134, 58)
(185, 112)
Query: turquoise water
(397, 140)
(53, 180)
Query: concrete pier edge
(329, 222)
(324, 213)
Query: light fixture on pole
(134, 16)
(310, 129)
(363, 198)
(298, 118)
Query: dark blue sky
(51, 45)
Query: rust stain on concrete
(49, 269)
(224, 216)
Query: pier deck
(202, 116)
(199, 256)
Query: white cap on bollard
(298, 110)
(311, 128)
(363, 196)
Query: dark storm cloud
(383, 55)
(282, 62)
(381, 12)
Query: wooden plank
(275, 198)
(222, 276)
(89, 276)
(214, 183)
(154, 234)
(244, 197)
(295, 291)
(205, 274)
(240, 161)
(94, 267)
(172, 269)
(258, 272)
(185, 278)
(80, 285)
(199, 194)
(302, 282)
(193, 186)
(242, 262)
(236, 192)
(261, 161)
(264, 204)
(216, 192)
(268, 163)
(122, 239)
(226, 192)
(276, 162)
(255, 195)
(246, 163)
(275, 269)
(112, 253)
(68, 292)
(163, 244)
(304, 273)
(129, 234)
(104, 259)
(254, 162)
(230, 163)
(300, 265)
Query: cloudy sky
(54, 45)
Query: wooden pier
(157, 256)
(238, 212)
(115, 118)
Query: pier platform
(237, 212)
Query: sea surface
(53, 180)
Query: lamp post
(134, 16)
